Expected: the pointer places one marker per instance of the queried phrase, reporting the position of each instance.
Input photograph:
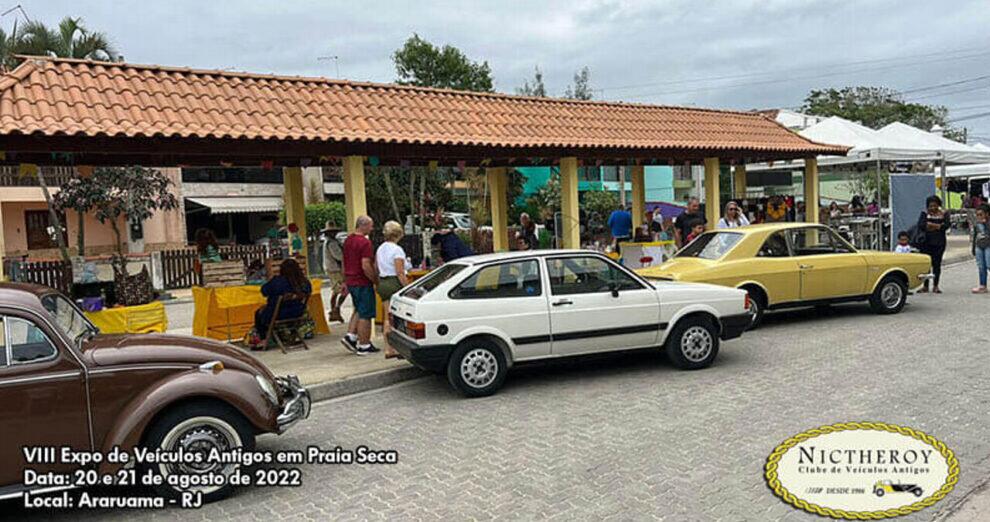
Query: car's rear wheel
(889, 296)
(198, 428)
(693, 343)
(477, 368)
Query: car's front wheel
(477, 368)
(889, 296)
(693, 343)
(198, 428)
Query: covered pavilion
(82, 113)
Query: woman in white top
(733, 217)
(392, 267)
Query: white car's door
(596, 306)
(509, 297)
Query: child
(902, 243)
(697, 228)
(981, 245)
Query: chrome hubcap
(200, 435)
(754, 310)
(479, 368)
(891, 295)
(696, 344)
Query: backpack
(916, 237)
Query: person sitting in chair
(290, 280)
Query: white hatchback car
(475, 317)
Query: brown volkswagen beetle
(62, 383)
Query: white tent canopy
(953, 151)
(866, 143)
(981, 146)
(977, 170)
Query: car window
(27, 342)
(427, 283)
(711, 245)
(812, 241)
(587, 275)
(518, 279)
(774, 246)
(66, 315)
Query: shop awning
(240, 204)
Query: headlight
(268, 388)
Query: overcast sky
(768, 53)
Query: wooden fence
(179, 266)
(55, 274)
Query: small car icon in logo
(882, 487)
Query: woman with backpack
(981, 245)
(933, 222)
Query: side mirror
(613, 287)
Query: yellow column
(739, 181)
(499, 207)
(713, 209)
(569, 214)
(3, 246)
(811, 193)
(638, 195)
(354, 196)
(295, 203)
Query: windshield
(66, 315)
(432, 280)
(711, 245)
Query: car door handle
(805, 267)
(563, 302)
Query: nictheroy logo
(862, 470)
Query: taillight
(748, 303)
(416, 330)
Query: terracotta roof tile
(77, 97)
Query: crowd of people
(358, 270)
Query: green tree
(319, 215)
(82, 195)
(70, 39)
(423, 64)
(876, 107)
(133, 192)
(537, 88)
(581, 89)
(599, 204)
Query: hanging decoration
(27, 169)
(433, 165)
(373, 161)
(267, 164)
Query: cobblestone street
(629, 437)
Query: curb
(361, 383)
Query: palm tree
(70, 40)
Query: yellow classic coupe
(785, 265)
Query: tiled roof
(84, 98)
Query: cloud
(775, 43)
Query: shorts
(363, 298)
(388, 286)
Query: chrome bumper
(297, 402)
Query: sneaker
(979, 290)
(367, 350)
(349, 344)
